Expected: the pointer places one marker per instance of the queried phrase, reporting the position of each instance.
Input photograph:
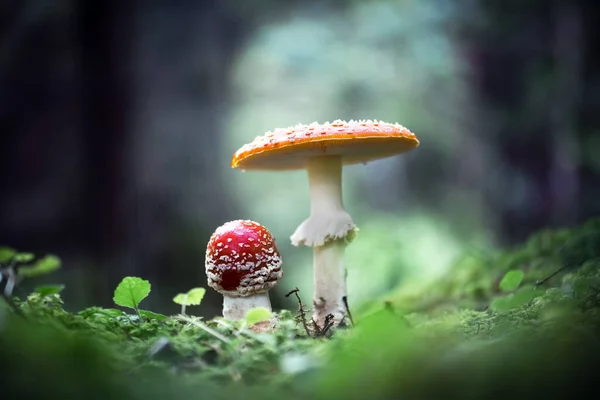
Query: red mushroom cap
(242, 259)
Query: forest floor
(521, 323)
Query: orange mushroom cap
(355, 141)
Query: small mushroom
(323, 150)
(242, 263)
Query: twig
(301, 311)
(567, 265)
(329, 322)
(316, 327)
(345, 300)
(540, 282)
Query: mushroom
(243, 264)
(323, 149)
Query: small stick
(547, 278)
(345, 300)
(316, 327)
(302, 312)
(329, 321)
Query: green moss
(471, 336)
(473, 281)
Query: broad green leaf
(511, 280)
(514, 300)
(257, 315)
(42, 266)
(6, 254)
(23, 257)
(131, 291)
(45, 290)
(192, 298)
(153, 315)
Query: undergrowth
(521, 323)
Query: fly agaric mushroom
(242, 263)
(323, 149)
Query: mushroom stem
(328, 220)
(327, 230)
(325, 185)
(235, 308)
(329, 281)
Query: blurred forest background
(119, 120)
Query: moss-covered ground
(522, 323)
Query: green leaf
(514, 300)
(23, 257)
(42, 266)
(257, 315)
(131, 291)
(46, 290)
(511, 280)
(192, 298)
(6, 254)
(152, 315)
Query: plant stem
(204, 328)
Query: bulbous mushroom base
(235, 308)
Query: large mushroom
(323, 149)
(242, 263)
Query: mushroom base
(235, 308)
(329, 282)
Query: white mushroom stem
(325, 185)
(327, 230)
(235, 308)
